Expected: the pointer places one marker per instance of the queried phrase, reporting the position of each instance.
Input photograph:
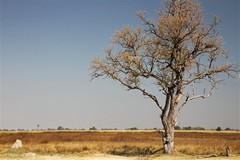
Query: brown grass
(129, 143)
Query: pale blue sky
(46, 47)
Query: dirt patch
(33, 156)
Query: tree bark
(168, 137)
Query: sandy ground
(33, 156)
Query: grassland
(121, 143)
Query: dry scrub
(127, 143)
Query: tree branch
(190, 98)
(142, 90)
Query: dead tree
(173, 54)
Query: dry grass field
(144, 144)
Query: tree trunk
(168, 138)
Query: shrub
(93, 128)
(187, 128)
(129, 150)
(218, 129)
(133, 128)
(177, 128)
(60, 128)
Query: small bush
(133, 128)
(177, 128)
(127, 150)
(218, 129)
(60, 128)
(187, 128)
(93, 128)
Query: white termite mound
(17, 144)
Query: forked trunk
(168, 138)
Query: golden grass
(128, 143)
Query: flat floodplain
(143, 143)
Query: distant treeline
(188, 128)
(200, 128)
(132, 128)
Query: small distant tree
(93, 128)
(174, 54)
(177, 128)
(199, 128)
(187, 128)
(132, 128)
(227, 129)
(218, 129)
(60, 128)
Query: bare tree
(174, 53)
